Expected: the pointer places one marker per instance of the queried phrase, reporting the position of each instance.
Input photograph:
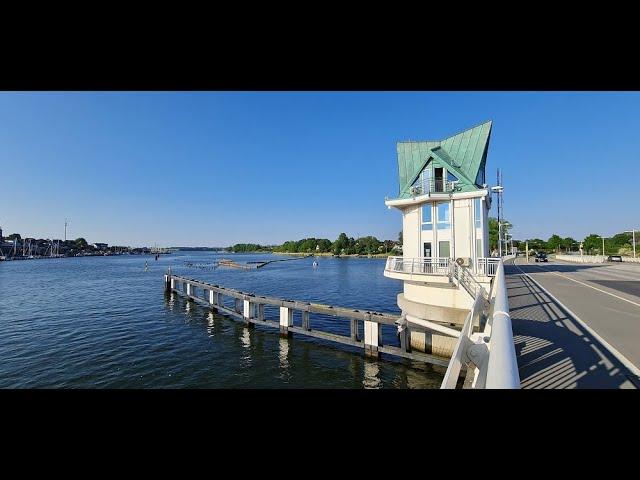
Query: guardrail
(489, 355)
(582, 258)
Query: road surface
(586, 333)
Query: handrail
(502, 368)
(466, 279)
(490, 354)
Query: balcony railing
(424, 266)
(432, 186)
(487, 266)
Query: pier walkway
(583, 331)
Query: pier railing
(365, 326)
(488, 355)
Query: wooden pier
(250, 309)
(224, 262)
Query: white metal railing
(487, 266)
(423, 266)
(425, 185)
(489, 355)
(464, 277)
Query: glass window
(451, 177)
(479, 251)
(478, 211)
(444, 220)
(426, 216)
(443, 249)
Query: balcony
(426, 186)
(414, 268)
(427, 270)
(438, 266)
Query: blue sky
(197, 168)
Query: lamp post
(506, 226)
(602, 243)
(498, 189)
(633, 232)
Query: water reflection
(283, 357)
(246, 338)
(210, 324)
(371, 375)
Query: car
(541, 257)
(614, 258)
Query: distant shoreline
(328, 254)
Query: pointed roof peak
(488, 123)
(465, 151)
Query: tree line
(343, 245)
(618, 244)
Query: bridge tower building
(444, 200)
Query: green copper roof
(463, 154)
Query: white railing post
(286, 321)
(371, 338)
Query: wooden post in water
(305, 320)
(168, 281)
(354, 329)
(286, 321)
(189, 291)
(213, 299)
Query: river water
(105, 322)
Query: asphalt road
(605, 297)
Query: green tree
(569, 244)
(341, 243)
(81, 243)
(554, 242)
(537, 244)
(592, 244)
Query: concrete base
(432, 312)
(433, 344)
(371, 351)
(285, 333)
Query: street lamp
(498, 189)
(506, 225)
(633, 232)
(602, 243)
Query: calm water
(103, 322)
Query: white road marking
(624, 360)
(587, 285)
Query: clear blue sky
(190, 168)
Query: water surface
(105, 322)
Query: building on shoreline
(444, 200)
